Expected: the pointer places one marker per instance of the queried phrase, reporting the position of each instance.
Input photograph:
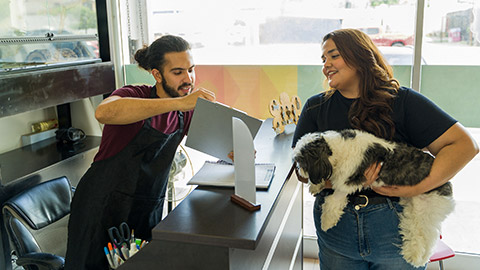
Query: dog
(343, 156)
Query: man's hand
(190, 100)
(232, 156)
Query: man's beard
(170, 90)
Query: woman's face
(339, 75)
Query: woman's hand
(299, 177)
(452, 151)
(397, 191)
(371, 173)
(304, 180)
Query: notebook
(222, 174)
(210, 131)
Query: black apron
(130, 186)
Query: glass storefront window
(289, 32)
(452, 32)
(36, 33)
(280, 32)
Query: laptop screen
(211, 128)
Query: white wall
(13, 127)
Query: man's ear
(157, 75)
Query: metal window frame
(417, 54)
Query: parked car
(382, 38)
(399, 55)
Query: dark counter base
(279, 247)
(209, 231)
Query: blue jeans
(363, 239)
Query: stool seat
(442, 252)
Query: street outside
(310, 54)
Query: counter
(208, 231)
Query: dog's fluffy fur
(343, 156)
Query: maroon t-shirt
(116, 137)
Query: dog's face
(311, 156)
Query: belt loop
(390, 203)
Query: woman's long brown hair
(372, 111)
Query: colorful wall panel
(251, 88)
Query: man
(143, 127)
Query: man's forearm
(123, 111)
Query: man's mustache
(185, 84)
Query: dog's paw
(328, 224)
(332, 209)
(330, 218)
(416, 257)
(315, 189)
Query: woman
(364, 95)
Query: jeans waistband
(361, 200)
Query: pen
(125, 253)
(118, 260)
(110, 249)
(115, 258)
(109, 258)
(117, 250)
(132, 238)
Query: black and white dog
(343, 156)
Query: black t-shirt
(418, 121)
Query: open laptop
(211, 128)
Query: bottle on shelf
(44, 125)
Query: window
(289, 33)
(275, 32)
(40, 34)
(452, 32)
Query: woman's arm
(452, 151)
(116, 110)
